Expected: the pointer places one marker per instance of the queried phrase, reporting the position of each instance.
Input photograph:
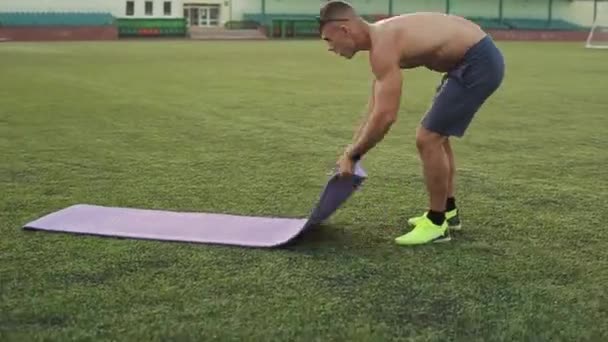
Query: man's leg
(436, 168)
(431, 227)
(446, 117)
(450, 204)
(451, 168)
(460, 95)
(451, 211)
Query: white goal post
(598, 35)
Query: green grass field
(252, 128)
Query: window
(214, 13)
(167, 8)
(130, 7)
(149, 8)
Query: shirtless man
(473, 69)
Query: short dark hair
(335, 10)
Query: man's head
(341, 27)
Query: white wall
(240, 7)
(400, 7)
(581, 12)
(116, 7)
(475, 8)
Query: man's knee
(426, 139)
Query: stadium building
(204, 19)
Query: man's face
(339, 39)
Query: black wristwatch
(355, 157)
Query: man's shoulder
(389, 30)
(383, 57)
(385, 51)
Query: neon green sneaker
(424, 232)
(451, 216)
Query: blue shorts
(465, 88)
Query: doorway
(202, 15)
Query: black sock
(450, 204)
(437, 217)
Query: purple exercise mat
(198, 227)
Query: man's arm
(387, 98)
(368, 111)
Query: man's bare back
(436, 41)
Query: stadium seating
(126, 27)
(541, 24)
(489, 23)
(304, 25)
(277, 25)
(151, 27)
(20, 19)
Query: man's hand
(345, 165)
